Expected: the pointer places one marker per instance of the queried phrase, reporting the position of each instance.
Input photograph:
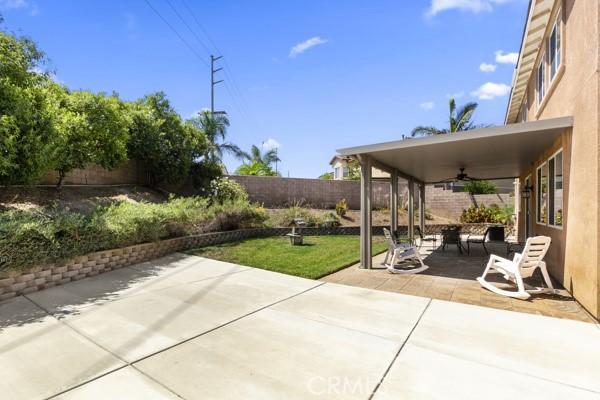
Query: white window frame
(541, 91)
(553, 66)
(553, 156)
(539, 173)
(538, 191)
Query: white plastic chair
(405, 254)
(522, 266)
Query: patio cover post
(394, 201)
(365, 212)
(411, 208)
(422, 207)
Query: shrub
(330, 219)
(29, 238)
(224, 189)
(480, 187)
(491, 214)
(286, 216)
(341, 207)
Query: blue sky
(311, 76)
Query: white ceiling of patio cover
(487, 153)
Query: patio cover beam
(486, 153)
(422, 208)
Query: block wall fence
(283, 192)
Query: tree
(326, 176)
(92, 128)
(480, 187)
(162, 140)
(27, 111)
(256, 156)
(215, 128)
(458, 121)
(256, 168)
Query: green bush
(224, 189)
(29, 238)
(341, 207)
(330, 218)
(286, 216)
(491, 214)
(480, 187)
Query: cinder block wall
(274, 191)
(131, 172)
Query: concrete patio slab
(137, 326)
(420, 373)
(252, 333)
(274, 355)
(556, 350)
(374, 312)
(40, 356)
(125, 383)
(169, 271)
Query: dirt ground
(380, 217)
(75, 198)
(83, 199)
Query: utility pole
(213, 82)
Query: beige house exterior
(341, 170)
(550, 144)
(557, 76)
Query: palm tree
(256, 156)
(215, 127)
(459, 121)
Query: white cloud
(427, 105)
(307, 44)
(270, 144)
(456, 95)
(485, 67)
(474, 6)
(13, 4)
(20, 4)
(491, 90)
(506, 58)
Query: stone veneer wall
(14, 283)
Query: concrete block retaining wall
(14, 283)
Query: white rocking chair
(403, 257)
(522, 266)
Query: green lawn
(317, 257)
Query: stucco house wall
(574, 255)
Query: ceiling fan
(461, 176)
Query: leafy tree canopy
(92, 128)
(256, 168)
(480, 187)
(161, 139)
(459, 120)
(26, 111)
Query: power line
(235, 91)
(176, 33)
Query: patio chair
(522, 266)
(478, 239)
(423, 239)
(403, 257)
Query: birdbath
(296, 238)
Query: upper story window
(541, 81)
(337, 173)
(554, 44)
(346, 171)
